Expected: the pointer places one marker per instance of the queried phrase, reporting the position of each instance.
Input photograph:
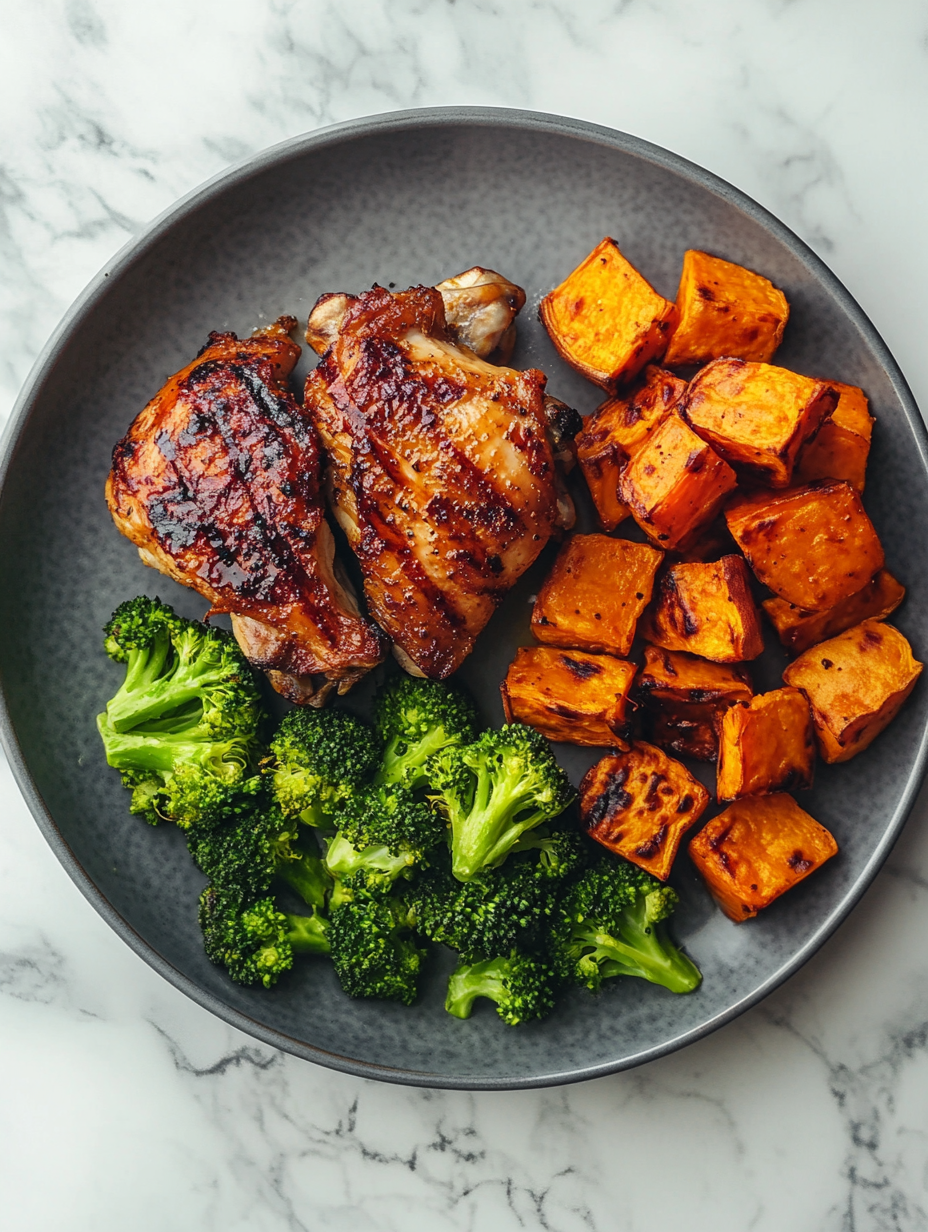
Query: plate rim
(133, 251)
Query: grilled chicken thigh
(440, 470)
(217, 484)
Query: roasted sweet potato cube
(675, 484)
(684, 697)
(765, 745)
(639, 804)
(798, 630)
(569, 695)
(756, 416)
(756, 850)
(606, 320)
(840, 448)
(856, 684)
(616, 431)
(595, 593)
(725, 309)
(813, 546)
(706, 608)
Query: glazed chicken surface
(217, 482)
(440, 469)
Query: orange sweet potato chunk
(756, 416)
(766, 745)
(707, 608)
(569, 695)
(856, 684)
(616, 431)
(595, 593)
(840, 448)
(798, 630)
(684, 697)
(639, 804)
(756, 850)
(675, 484)
(606, 320)
(725, 309)
(813, 546)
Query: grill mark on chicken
(252, 554)
(217, 483)
(441, 471)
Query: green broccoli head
(391, 817)
(182, 676)
(520, 985)
(415, 719)
(256, 944)
(251, 943)
(184, 727)
(373, 949)
(493, 791)
(609, 923)
(320, 757)
(242, 857)
(500, 909)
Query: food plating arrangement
(443, 472)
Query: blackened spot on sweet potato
(649, 849)
(612, 799)
(798, 863)
(685, 805)
(652, 800)
(717, 840)
(582, 670)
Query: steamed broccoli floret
(383, 833)
(500, 909)
(416, 719)
(610, 923)
(520, 985)
(493, 791)
(373, 948)
(320, 758)
(257, 944)
(184, 727)
(373, 868)
(391, 817)
(242, 857)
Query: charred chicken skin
(440, 469)
(217, 482)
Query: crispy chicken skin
(440, 471)
(217, 482)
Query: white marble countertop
(123, 1105)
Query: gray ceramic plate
(404, 199)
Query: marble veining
(124, 1105)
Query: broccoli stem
(496, 819)
(643, 950)
(161, 754)
(146, 695)
(473, 980)
(398, 767)
(308, 934)
(342, 860)
(306, 875)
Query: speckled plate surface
(401, 199)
